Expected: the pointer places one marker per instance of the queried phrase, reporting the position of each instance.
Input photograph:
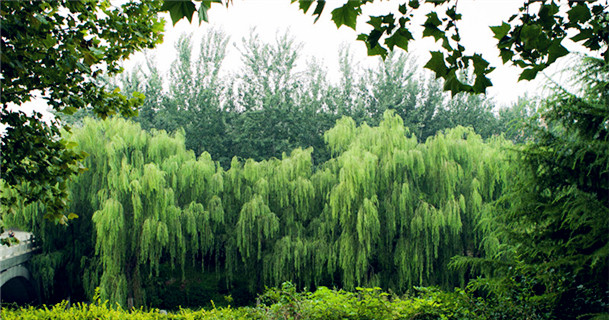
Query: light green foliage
(105, 310)
(256, 222)
(384, 211)
(286, 303)
(426, 198)
(368, 303)
(145, 200)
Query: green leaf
(49, 41)
(530, 34)
(346, 15)
(452, 83)
(71, 144)
(432, 19)
(179, 9)
(480, 64)
(203, 13)
(69, 110)
(400, 38)
(402, 8)
(304, 5)
(373, 37)
(501, 31)
(319, 9)
(583, 34)
(41, 19)
(452, 13)
(528, 74)
(521, 63)
(431, 31)
(446, 45)
(376, 21)
(506, 55)
(89, 60)
(377, 51)
(72, 216)
(481, 83)
(373, 50)
(97, 53)
(431, 27)
(556, 50)
(546, 14)
(436, 64)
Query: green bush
(280, 303)
(364, 304)
(323, 304)
(99, 310)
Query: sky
(322, 39)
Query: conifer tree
(556, 218)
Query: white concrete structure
(13, 266)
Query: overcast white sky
(322, 39)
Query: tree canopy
(385, 210)
(532, 38)
(56, 51)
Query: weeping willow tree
(399, 210)
(385, 210)
(144, 201)
(270, 204)
(154, 202)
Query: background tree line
(277, 102)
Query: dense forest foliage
(274, 174)
(385, 210)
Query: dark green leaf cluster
(533, 38)
(39, 164)
(553, 218)
(57, 50)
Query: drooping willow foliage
(384, 210)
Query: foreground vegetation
(324, 303)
